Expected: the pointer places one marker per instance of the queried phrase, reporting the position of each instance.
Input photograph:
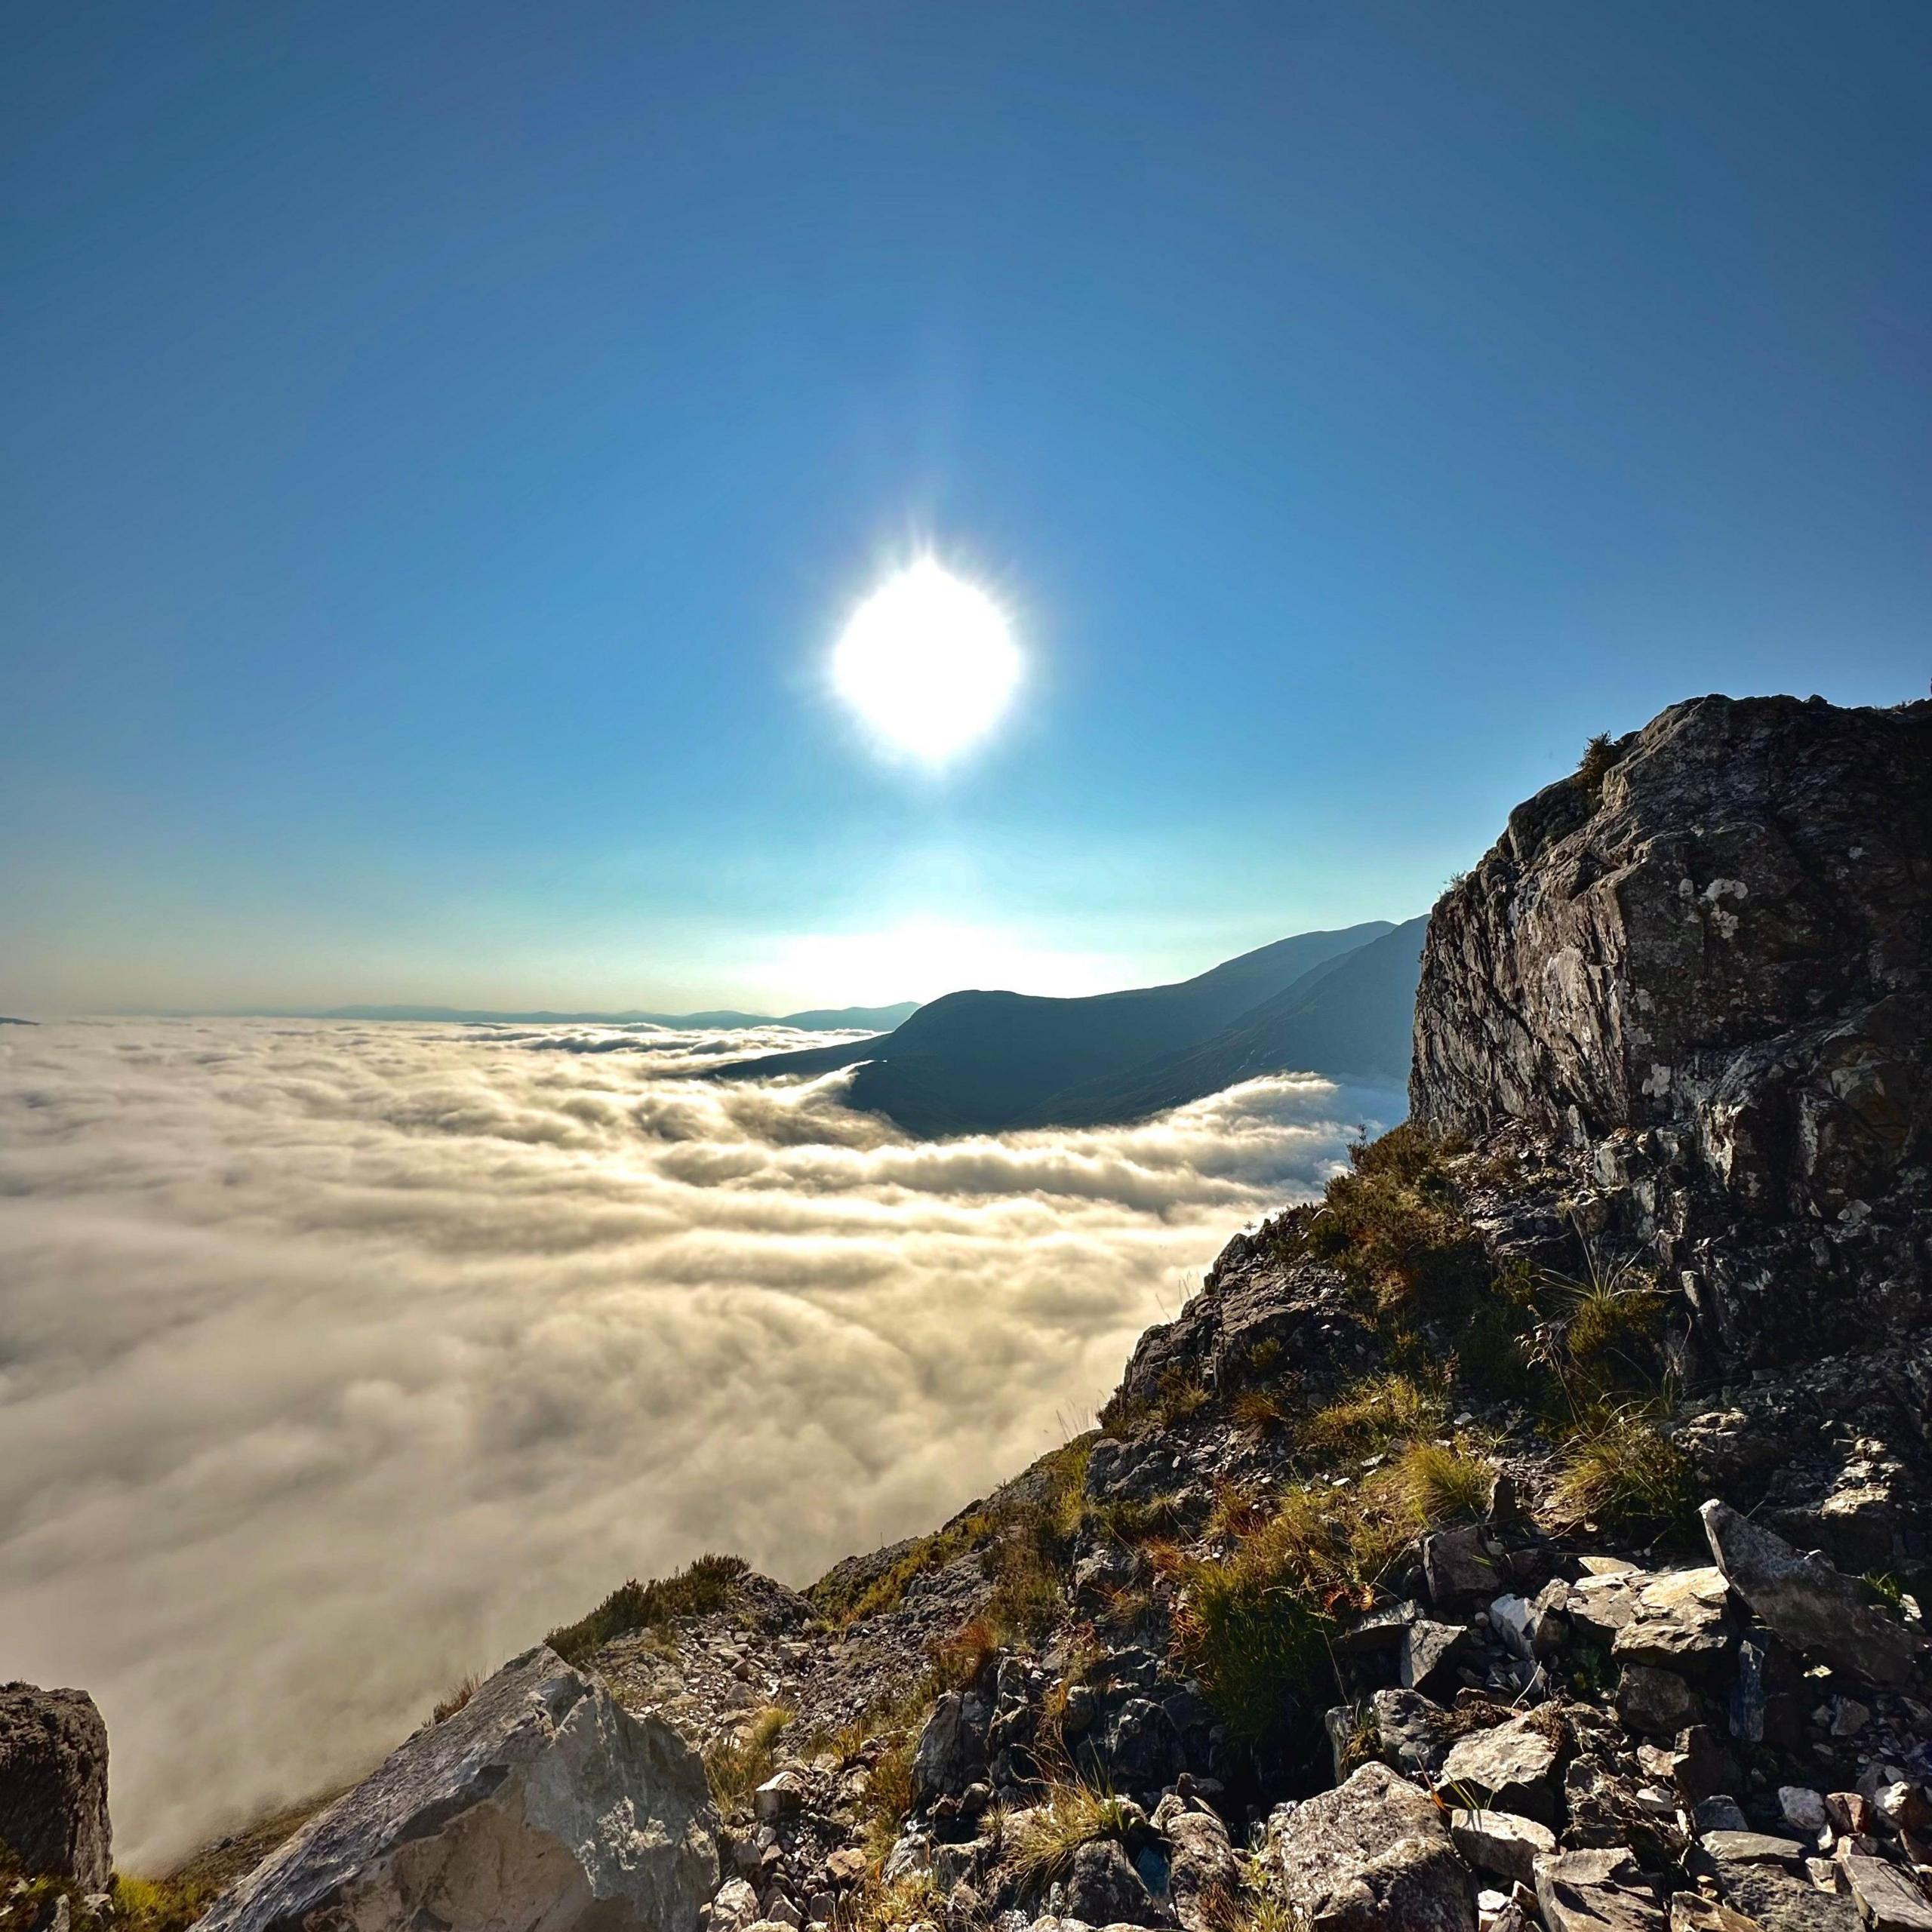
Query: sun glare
(928, 662)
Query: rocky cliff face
(1702, 977)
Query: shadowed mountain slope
(1348, 1017)
(980, 1061)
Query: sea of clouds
(337, 1361)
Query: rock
(1372, 1855)
(1411, 1732)
(54, 1785)
(1139, 1747)
(541, 1803)
(1679, 1623)
(1810, 1605)
(1457, 1566)
(1802, 1809)
(1202, 1874)
(1764, 1878)
(1512, 1768)
(1690, 1911)
(1501, 1842)
(845, 1868)
(1721, 1813)
(1428, 1650)
(1595, 1891)
(735, 1907)
(1701, 1767)
(1658, 1703)
(1906, 1808)
(951, 1753)
(1102, 1888)
(1700, 978)
(1886, 1899)
(779, 1796)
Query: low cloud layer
(337, 1361)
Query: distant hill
(977, 1061)
(1350, 1017)
(819, 1019)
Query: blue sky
(442, 442)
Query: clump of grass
(1239, 1511)
(455, 1698)
(890, 1792)
(1599, 755)
(1376, 1412)
(898, 1907)
(1260, 1410)
(1443, 1484)
(1139, 1519)
(1176, 1396)
(703, 1587)
(1393, 1224)
(1601, 1332)
(160, 1905)
(734, 1768)
(1040, 1842)
(1625, 1474)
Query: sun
(928, 661)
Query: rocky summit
(1532, 1532)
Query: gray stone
(1513, 1767)
(1765, 1878)
(1427, 1649)
(951, 1753)
(1595, 1891)
(1886, 1899)
(1679, 1623)
(54, 1785)
(1456, 1563)
(1658, 1703)
(1802, 1809)
(1501, 1841)
(1690, 1912)
(779, 1796)
(1412, 1733)
(734, 1907)
(539, 1804)
(1372, 1855)
(1810, 1605)
(1102, 1887)
(1202, 1874)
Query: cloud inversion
(336, 1361)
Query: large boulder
(1374, 1855)
(541, 1803)
(54, 1785)
(1705, 969)
(1810, 1605)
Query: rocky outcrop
(54, 1785)
(541, 1803)
(1373, 1853)
(1705, 974)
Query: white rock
(539, 1804)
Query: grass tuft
(703, 1587)
(1443, 1484)
(735, 1768)
(1040, 1842)
(1626, 1474)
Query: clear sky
(442, 442)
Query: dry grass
(1443, 1484)
(1625, 1474)
(1376, 1412)
(735, 1768)
(1260, 1410)
(906, 1903)
(704, 1586)
(1040, 1842)
(455, 1698)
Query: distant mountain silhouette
(974, 1062)
(818, 1019)
(1353, 1016)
